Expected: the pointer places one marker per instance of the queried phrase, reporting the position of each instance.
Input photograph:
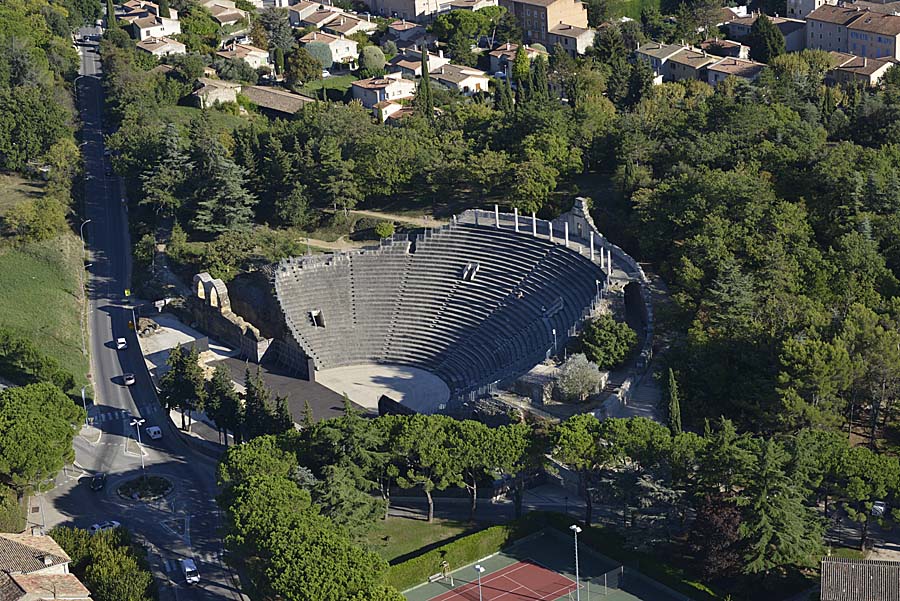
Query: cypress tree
(164, 8)
(110, 15)
(424, 99)
(279, 60)
(503, 97)
(674, 405)
(540, 83)
(766, 40)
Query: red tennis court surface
(523, 581)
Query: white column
(550, 225)
(566, 230)
(497, 216)
(592, 246)
(516, 217)
(609, 261)
(533, 224)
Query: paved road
(186, 523)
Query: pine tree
(503, 101)
(223, 201)
(308, 420)
(223, 402)
(674, 406)
(337, 181)
(282, 421)
(164, 8)
(257, 413)
(163, 182)
(424, 100)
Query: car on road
(103, 526)
(879, 508)
(326, 73)
(154, 432)
(128, 379)
(189, 568)
(98, 481)
(121, 344)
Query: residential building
(302, 9)
(344, 51)
(410, 10)
(161, 46)
(154, 27)
(386, 109)
(374, 90)
(855, 31)
(793, 30)
(35, 568)
(409, 62)
(466, 4)
(253, 56)
(720, 70)
(857, 69)
(208, 92)
(688, 64)
(275, 102)
(843, 579)
(138, 9)
(721, 47)
(574, 40)
(405, 31)
(321, 17)
(800, 9)
(657, 54)
(502, 57)
(466, 80)
(538, 17)
(347, 24)
(225, 13)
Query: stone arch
(218, 295)
(202, 282)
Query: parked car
(128, 379)
(98, 481)
(326, 73)
(189, 568)
(121, 344)
(879, 508)
(154, 432)
(103, 526)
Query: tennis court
(540, 567)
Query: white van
(154, 432)
(189, 568)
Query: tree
(277, 24)
(164, 8)
(111, 22)
(37, 425)
(474, 446)
(503, 100)
(578, 377)
(337, 181)
(384, 229)
(321, 52)
(540, 85)
(422, 450)
(301, 67)
(766, 40)
(715, 536)
(674, 413)
(163, 182)
(371, 61)
(223, 202)
(521, 71)
(258, 416)
(460, 48)
(223, 403)
(607, 342)
(520, 451)
(424, 100)
(282, 421)
(183, 386)
(279, 61)
(576, 444)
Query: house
(320, 17)
(138, 9)
(225, 13)
(275, 102)
(253, 56)
(857, 69)
(409, 10)
(208, 92)
(843, 579)
(793, 30)
(35, 568)
(466, 5)
(657, 54)
(722, 47)
(347, 24)
(302, 9)
(575, 40)
(852, 30)
(466, 80)
(688, 64)
(538, 17)
(409, 62)
(145, 21)
(161, 46)
(734, 67)
(799, 9)
(343, 50)
(386, 109)
(501, 58)
(405, 31)
(373, 90)
(730, 13)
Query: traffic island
(145, 488)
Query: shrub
(385, 229)
(12, 514)
(371, 61)
(607, 342)
(321, 52)
(22, 363)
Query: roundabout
(145, 488)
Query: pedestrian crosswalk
(98, 416)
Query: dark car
(98, 481)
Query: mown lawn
(396, 537)
(335, 86)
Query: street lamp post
(576, 529)
(479, 569)
(84, 404)
(137, 423)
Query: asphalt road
(186, 523)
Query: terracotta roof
(509, 51)
(858, 64)
(50, 586)
(837, 15)
(321, 16)
(737, 67)
(206, 82)
(571, 31)
(692, 58)
(243, 51)
(145, 22)
(402, 25)
(455, 73)
(660, 51)
(25, 553)
(346, 24)
(376, 83)
(276, 99)
(876, 23)
(707, 44)
(320, 36)
(151, 44)
(859, 580)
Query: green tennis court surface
(541, 568)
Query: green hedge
(460, 552)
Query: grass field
(40, 291)
(395, 537)
(335, 86)
(631, 8)
(182, 116)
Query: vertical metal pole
(497, 216)
(516, 217)
(533, 224)
(592, 246)
(566, 230)
(577, 579)
(84, 404)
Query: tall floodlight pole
(479, 568)
(137, 423)
(576, 529)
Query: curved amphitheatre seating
(408, 303)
